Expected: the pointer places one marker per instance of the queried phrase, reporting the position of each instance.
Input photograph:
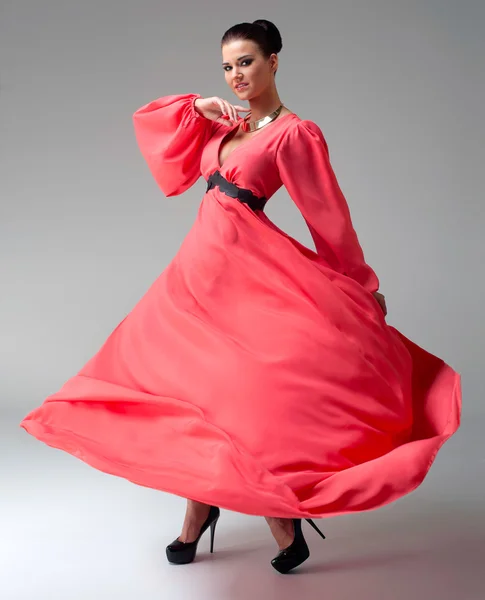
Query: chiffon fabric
(256, 374)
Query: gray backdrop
(398, 90)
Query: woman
(255, 374)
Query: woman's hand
(217, 109)
(382, 301)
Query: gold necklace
(247, 126)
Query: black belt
(232, 190)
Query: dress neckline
(219, 144)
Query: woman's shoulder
(302, 128)
(300, 136)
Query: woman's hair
(264, 33)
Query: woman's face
(242, 61)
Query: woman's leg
(282, 530)
(195, 515)
(197, 512)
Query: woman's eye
(244, 62)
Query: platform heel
(297, 552)
(182, 553)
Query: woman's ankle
(195, 515)
(282, 530)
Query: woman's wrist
(194, 105)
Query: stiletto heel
(213, 532)
(297, 552)
(315, 527)
(182, 553)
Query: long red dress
(256, 374)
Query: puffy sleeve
(171, 135)
(305, 170)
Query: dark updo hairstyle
(264, 33)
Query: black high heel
(297, 552)
(181, 553)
